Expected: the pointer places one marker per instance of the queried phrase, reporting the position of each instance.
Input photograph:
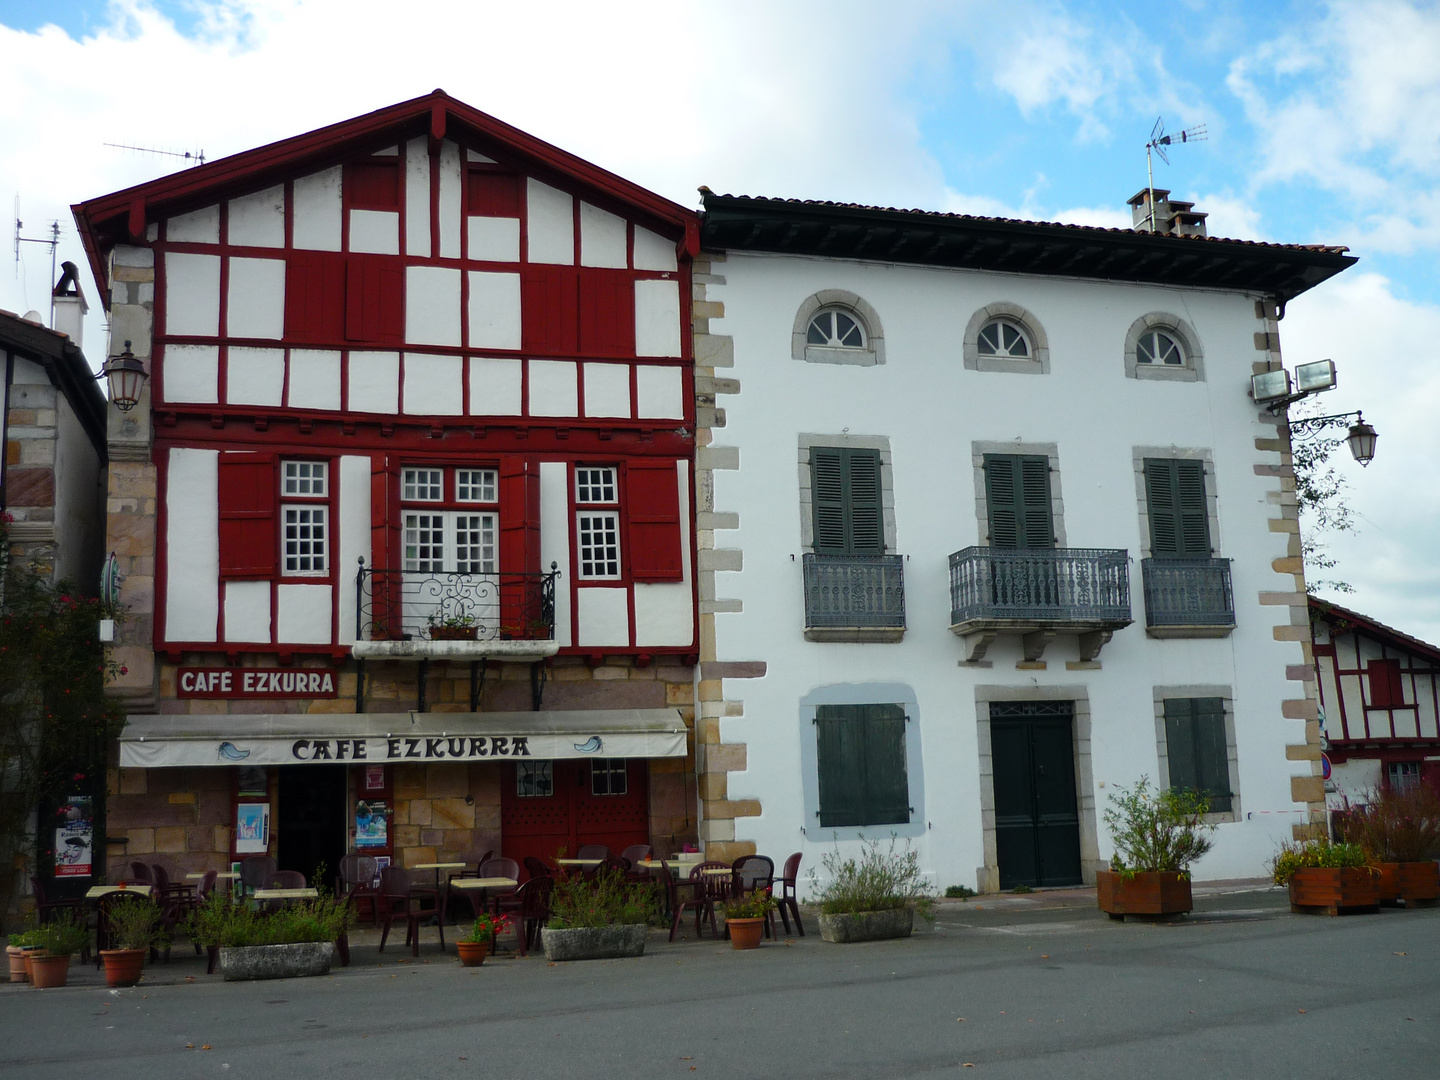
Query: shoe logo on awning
(229, 750)
(591, 745)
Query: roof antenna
(53, 241)
(198, 157)
(1158, 141)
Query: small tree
(1157, 830)
(1320, 494)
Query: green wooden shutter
(1175, 498)
(1195, 745)
(1180, 743)
(1017, 494)
(887, 786)
(861, 764)
(845, 493)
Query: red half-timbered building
(1380, 701)
(406, 513)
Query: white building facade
(990, 528)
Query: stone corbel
(1092, 643)
(977, 644)
(1034, 643)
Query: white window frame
(316, 549)
(1175, 328)
(449, 524)
(612, 768)
(477, 486)
(419, 484)
(304, 479)
(597, 523)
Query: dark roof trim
(882, 234)
(122, 216)
(1353, 620)
(68, 371)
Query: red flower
(78, 776)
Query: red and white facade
(418, 344)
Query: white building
(991, 527)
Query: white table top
(677, 860)
(483, 883)
(716, 871)
(578, 862)
(285, 894)
(220, 875)
(439, 866)
(97, 891)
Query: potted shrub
(480, 939)
(745, 918)
(1400, 831)
(135, 926)
(596, 918)
(452, 627)
(296, 940)
(61, 938)
(875, 896)
(1157, 835)
(1327, 879)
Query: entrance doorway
(1037, 822)
(549, 805)
(311, 826)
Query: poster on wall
(374, 777)
(370, 824)
(75, 837)
(252, 828)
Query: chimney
(70, 306)
(1171, 218)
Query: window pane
(475, 543)
(1168, 349)
(595, 485)
(424, 541)
(846, 332)
(534, 779)
(989, 343)
(1145, 349)
(422, 485)
(599, 545)
(608, 777)
(820, 329)
(304, 478)
(305, 539)
(475, 485)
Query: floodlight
(1269, 385)
(1313, 378)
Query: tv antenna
(53, 240)
(1158, 142)
(198, 157)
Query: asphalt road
(1029, 987)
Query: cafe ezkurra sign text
(255, 683)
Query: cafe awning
(150, 741)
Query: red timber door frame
(572, 815)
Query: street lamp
(1361, 438)
(125, 376)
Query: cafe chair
(787, 903)
(104, 931)
(255, 871)
(529, 909)
(500, 867)
(535, 868)
(751, 872)
(356, 882)
(632, 855)
(140, 873)
(467, 859)
(681, 896)
(593, 851)
(46, 908)
(399, 899)
(283, 879)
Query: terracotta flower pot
(122, 966)
(48, 971)
(745, 933)
(1344, 890)
(1416, 883)
(29, 953)
(473, 953)
(454, 633)
(1148, 892)
(17, 963)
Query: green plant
(63, 935)
(1157, 830)
(486, 927)
(1314, 854)
(879, 880)
(1021, 889)
(752, 905)
(606, 899)
(228, 923)
(1395, 825)
(959, 892)
(449, 622)
(135, 924)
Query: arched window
(1158, 347)
(835, 328)
(1163, 346)
(1003, 339)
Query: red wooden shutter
(607, 313)
(549, 319)
(384, 512)
(519, 544)
(249, 537)
(373, 185)
(315, 297)
(653, 521)
(374, 299)
(493, 194)
(1387, 686)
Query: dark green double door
(1037, 823)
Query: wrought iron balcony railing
(1192, 594)
(409, 604)
(854, 592)
(1059, 586)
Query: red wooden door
(549, 805)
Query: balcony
(854, 597)
(1038, 594)
(1188, 597)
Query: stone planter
(472, 953)
(47, 971)
(745, 933)
(1345, 890)
(868, 925)
(594, 943)
(1149, 893)
(1416, 883)
(277, 961)
(122, 966)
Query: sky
(1323, 123)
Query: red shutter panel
(315, 297)
(519, 544)
(248, 534)
(652, 498)
(375, 300)
(607, 313)
(549, 318)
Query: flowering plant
(1395, 824)
(752, 905)
(486, 927)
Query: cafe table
(285, 894)
(583, 864)
(227, 876)
(470, 886)
(686, 863)
(95, 892)
(437, 867)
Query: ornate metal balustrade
(1065, 586)
(1188, 594)
(854, 592)
(401, 605)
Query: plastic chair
(632, 856)
(535, 868)
(677, 902)
(103, 930)
(529, 907)
(255, 871)
(593, 851)
(501, 867)
(140, 872)
(751, 872)
(398, 898)
(788, 901)
(356, 881)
